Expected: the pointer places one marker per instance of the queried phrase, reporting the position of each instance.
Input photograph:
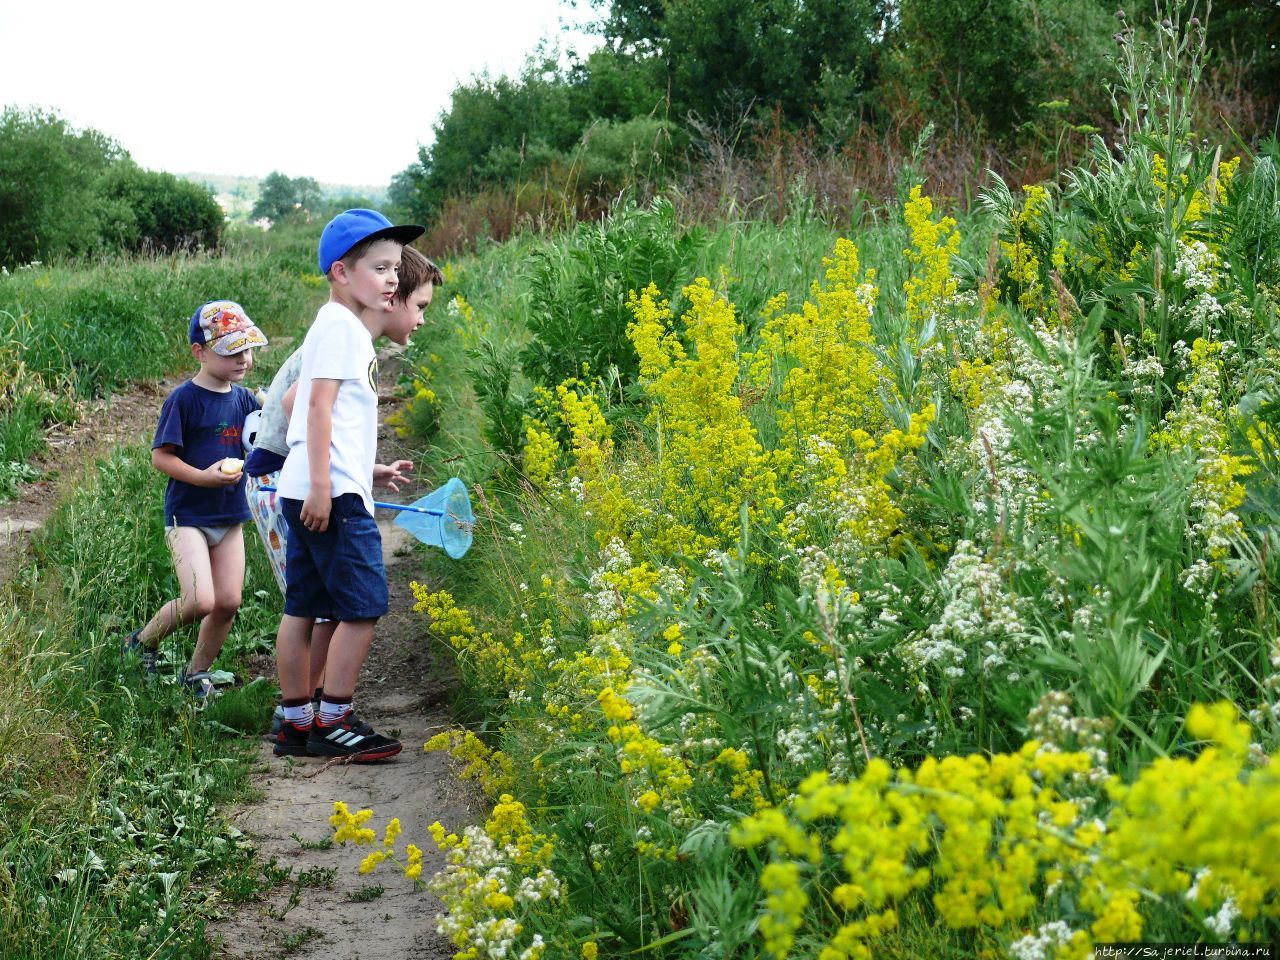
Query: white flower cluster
(1043, 944)
(1053, 723)
(544, 886)
(604, 601)
(980, 619)
(1142, 373)
(1197, 266)
(485, 870)
(801, 745)
(493, 938)
(1224, 920)
(1199, 579)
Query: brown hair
(415, 270)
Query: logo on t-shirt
(373, 374)
(229, 434)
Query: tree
(721, 57)
(280, 196)
(997, 59)
(50, 202)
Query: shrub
(157, 212)
(50, 202)
(578, 314)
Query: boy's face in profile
(371, 281)
(406, 317)
(228, 369)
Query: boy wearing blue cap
(197, 444)
(334, 550)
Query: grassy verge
(112, 839)
(79, 330)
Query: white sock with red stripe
(330, 712)
(300, 716)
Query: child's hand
(389, 474)
(215, 476)
(315, 512)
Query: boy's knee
(226, 607)
(197, 608)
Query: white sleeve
(337, 349)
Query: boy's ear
(339, 272)
(197, 351)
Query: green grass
(113, 790)
(74, 331)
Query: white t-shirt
(337, 347)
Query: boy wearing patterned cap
(197, 445)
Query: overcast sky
(339, 90)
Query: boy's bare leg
(226, 568)
(347, 653)
(321, 635)
(190, 552)
(293, 657)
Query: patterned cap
(225, 328)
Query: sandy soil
(404, 690)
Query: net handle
(407, 508)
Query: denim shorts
(338, 574)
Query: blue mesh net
(445, 519)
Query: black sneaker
(200, 688)
(277, 721)
(352, 738)
(132, 646)
(291, 741)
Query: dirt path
(327, 910)
(125, 418)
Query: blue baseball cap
(351, 226)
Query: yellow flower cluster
(933, 244)
(490, 768)
(648, 763)
(470, 327)
(541, 453)
(1024, 265)
(348, 826)
(499, 664)
(1195, 203)
(1198, 425)
(420, 413)
(566, 420)
(496, 884)
(710, 461)
(996, 838)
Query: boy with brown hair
(418, 278)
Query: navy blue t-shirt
(205, 427)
